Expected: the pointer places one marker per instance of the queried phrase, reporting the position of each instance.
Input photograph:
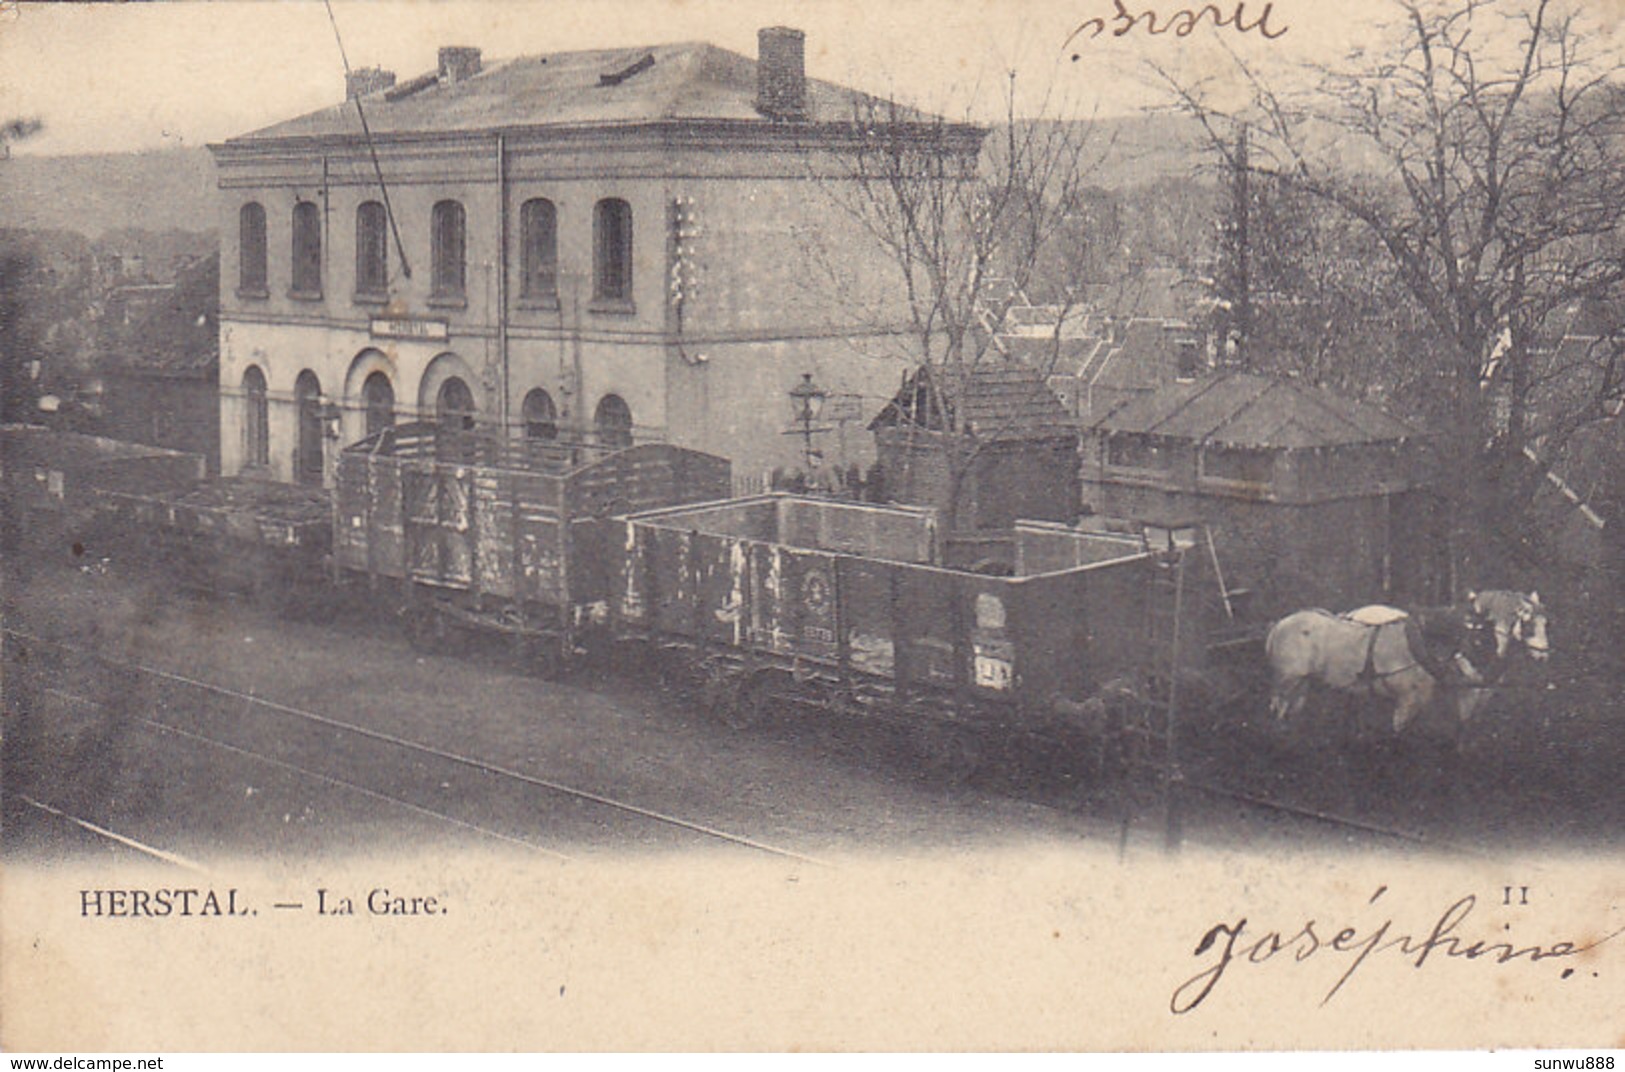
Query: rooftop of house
(1245, 409)
(688, 81)
(1047, 321)
(999, 401)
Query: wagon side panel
(386, 534)
(929, 643)
(721, 590)
(806, 605)
(537, 541)
(354, 513)
(421, 522)
(493, 513)
(645, 477)
(1051, 619)
(988, 635)
(1116, 602)
(868, 604)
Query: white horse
(1385, 651)
(1373, 656)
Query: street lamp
(806, 404)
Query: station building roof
(682, 82)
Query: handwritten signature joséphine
(1180, 23)
(1442, 941)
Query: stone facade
(744, 271)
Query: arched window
(454, 405)
(257, 419)
(539, 251)
(612, 250)
(251, 250)
(371, 250)
(541, 417)
(378, 395)
(446, 241)
(614, 422)
(307, 461)
(307, 250)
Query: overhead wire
(372, 148)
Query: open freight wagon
(54, 482)
(474, 532)
(844, 606)
(231, 535)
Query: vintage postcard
(1082, 525)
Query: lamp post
(806, 405)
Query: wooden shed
(996, 430)
(1312, 499)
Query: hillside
(170, 189)
(173, 189)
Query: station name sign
(389, 328)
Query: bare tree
(968, 223)
(19, 337)
(1482, 147)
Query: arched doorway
(454, 405)
(307, 462)
(614, 422)
(541, 417)
(378, 396)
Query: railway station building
(620, 245)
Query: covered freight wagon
(512, 537)
(846, 605)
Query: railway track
(105, 836)
(1277, 805)
(432, 766)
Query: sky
(123, 77)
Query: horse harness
(1443, 666)
(1369, 674)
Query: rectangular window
(1138, 452)
(371, 251)
(307, 250)
(612, 251)
(447, 240)
(539, 251)
(1239, 465)
(251, 272)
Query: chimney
(458, 64)
(365, 80)
(781, 73)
